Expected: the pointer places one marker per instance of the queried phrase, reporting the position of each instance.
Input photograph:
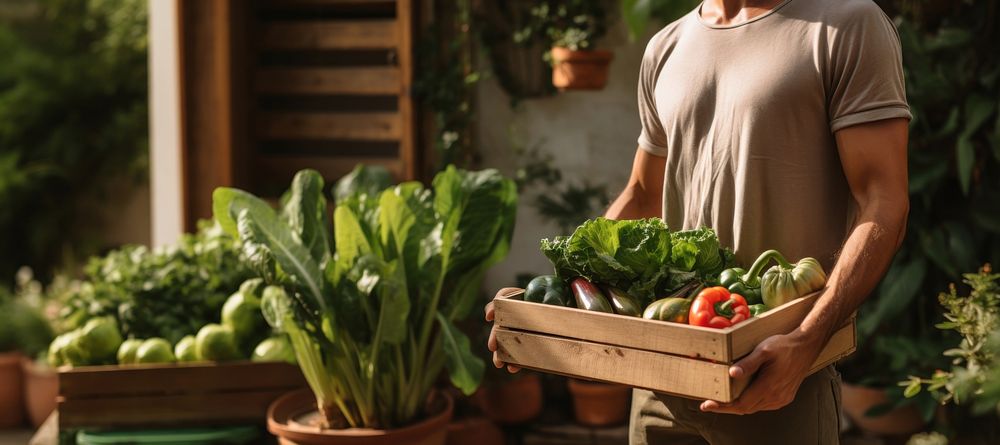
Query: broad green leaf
(228, 202)
(636, 14)
(305, 213)
(364, 179)
(394, 304)
(902, 283)
(912, 389)
(350, 238)
(263, 229)
(464, 367)
(396, 219)
(978, 108)
(965, 159)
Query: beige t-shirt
(745, 117)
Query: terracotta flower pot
(580, 70)
(599, 404)
(41, 388)
(857, 400)
(11, 390)
(285, 419)
(474, 431)
(511, 402)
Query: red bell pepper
(715, 307)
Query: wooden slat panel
(355, 126)
(104, 381)
(408, 143)
(171, 410)
(331, 167)
(360, 80)
(287, 3)
(357, 34)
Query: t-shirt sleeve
(652, 138)
(866, 69)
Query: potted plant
(599, 404)
(372, 320)
(469, 426)
(571, 28)
(24, 332)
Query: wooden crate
(172, 395)
(680, 359)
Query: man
(781, 124)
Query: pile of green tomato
(243, 333)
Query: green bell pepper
(757, 309)
(548, 289)
(785, 282)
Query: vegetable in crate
(622, 302)
(241, 313)
(716, 307)
(548, 289)
(785, 282)
(216, 343)
(154, 350)
(641, 257)
(589, 297)
(673, 309)
(127, 351)
(274, 349)
(186, 350)
(738, 281)
(757, 309)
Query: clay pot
(856, 400)
(474, 431)
(11, 390)
(580, 70)
(286, 419)
(515, 401)
(599, 404)
(41, 388)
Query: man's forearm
(634, 203)
(865, 257)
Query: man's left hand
(781, 363)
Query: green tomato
(185, 349)
(241, 313)
(100, 339)
(127, 351)
(216, 343)
(154, 350)
(274, 349)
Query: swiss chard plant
(371, 307)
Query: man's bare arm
(873, 156)
(642, 198)
(874, 160)
(643, 195)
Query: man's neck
(733, 12)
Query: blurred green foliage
(73, 120)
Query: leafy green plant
(372, 321)
(976, 358)
(168, 292)
(565, 204)
(572, 24)
(73, 123)
(638, 13)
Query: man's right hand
(492, 342)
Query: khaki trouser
(812, 418)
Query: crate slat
(633, 367)
(330, 35)
(375, 126)
(355, 80)
(103, 381)
(633, 332)
(686, 377)
(171, 410)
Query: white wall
(165, 130)
(592, 136)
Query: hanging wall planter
(294, 419)
(580, 70)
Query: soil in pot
(580, 70)
(599, 404)
(857, 400)
(11, 390)
(474, 431)
(517, 400)
(289, 418)
(41, 388)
